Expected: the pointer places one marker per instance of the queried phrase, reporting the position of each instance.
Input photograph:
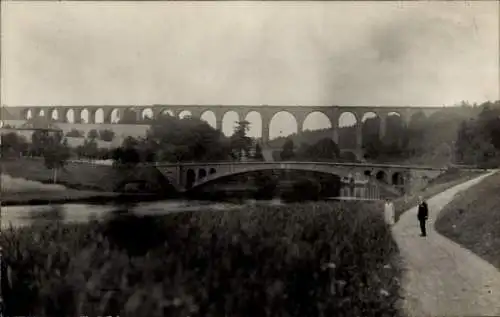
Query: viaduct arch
(142, 114)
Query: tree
(324, 149)
(288, 150)
(189, 139)
(106, 135)
(129, 116)
(56, 152)
(12, 143)
(240, 142)
(93, 134)
(88, 149)
(258, 153)
(74, 133)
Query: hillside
(426, 141)
(472, 219)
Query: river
(18, 216)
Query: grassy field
(86, 177)
(435, 186)
(297, 260)
(76, 176)
(472, 219)
(15, 191)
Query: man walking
(422, 215)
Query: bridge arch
(255, 120)
(185, 114)
(54, 115)
(395, 127)
(316, 120)
(114, 116)
(147, 114)
(167, 112)
(283, 127)
(229, 120)
(417, 119)
(202, 173)
(209, 117)
(398, 179)
(27, 114)
(85, 116)
(381, 176)
(99, 116)
(70, 116)
(211, 178)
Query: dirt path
(443, 278)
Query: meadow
(303, 259)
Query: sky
(250, 53)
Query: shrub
(295, 260)
(74, 133)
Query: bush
(296, 260)
(74, 133)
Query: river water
(18, 216)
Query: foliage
(12, 143)
(258, 153)
(106, 135)
(74, 133)
(287, 152)
(172, 139)
(56, 151)
(323, 150)
(421, 142)
(93, 134)
(264, 261)
(88, 149)
(478, 140)
(240, 143)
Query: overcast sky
(307, 53)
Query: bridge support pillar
(359, 140)
(383, 126)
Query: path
(443, 278)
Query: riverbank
(259, 260)
(18, 191)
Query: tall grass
(314, 259)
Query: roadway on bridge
(443, 278)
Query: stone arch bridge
(115, 117)
(397, 179)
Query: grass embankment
(74, 175)
(296, 260)
(472, 219)
(81, 182)
(17, 191)
(435, 186)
